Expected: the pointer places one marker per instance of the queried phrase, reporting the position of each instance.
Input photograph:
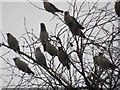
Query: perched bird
(117, 7)
(77, 32)
(12, 42)
(63, 57)
(50, 7)
(40, 58)
(103, 62)
(22, 66)
(43, 33)
(73, 25)
(71, 21)
(51, 49)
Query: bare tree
(101, 31)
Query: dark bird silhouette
(117, 8)
(40, 58)
(43, 33)
(63, 57)
(50, 7)
(51, 49)
(71, 21)
(12, 42)
(73, 25)
(103, 62)
(22, 66)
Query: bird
(51, 49)
(73, 25)
(103, 62)
(12, 42)
(43, 34)
(40, 58)
(77, 32)
(63, 57)
(71, 21)
(117, 8)
(50, 7)
(22, 66)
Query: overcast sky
(13, 14)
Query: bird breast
(21, 65)
(51, 49)
(43, 36)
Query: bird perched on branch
(103, 62)
(43, 33)
(22, 66)
(50, 7)
(117, 7)
(40, 58)
(12, 42)
(51, 49)
(71, 21)
(73, 25)
(63, 57)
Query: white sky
(12, 17)
(13, 21)
(56, 0)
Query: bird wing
(51, 49)
(76, 22)
(21, 65)
(53, 6)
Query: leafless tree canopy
(101, 31)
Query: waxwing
(73, 25)
(51, 49)
(50, 7)
(22, 66)
(43, 34)
(103, 62)
(63, 57)
(40, 58)
(12, 42)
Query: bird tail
(81, 27)
(113, 66)
(60, 11)
(32, 72)
(68, 66)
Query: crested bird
(22, 66)
(73, 25)
(12, 42)
(51, 49)
(40, 58)
(103, 62)
(43, 33)
(117, 7)
(50, 7)
(63, 57)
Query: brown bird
(117, 8)
(12, 42)
(51, 49)
(63, 57)
(103, 62)
(73, 25)
(43, 33)
(50, 7)
(71, 21)
(22, 66)
(40, 58)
